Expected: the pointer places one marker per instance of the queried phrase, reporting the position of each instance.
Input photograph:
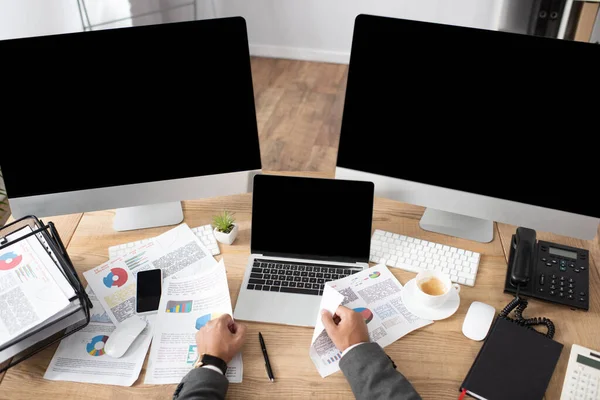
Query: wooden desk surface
(435, 358)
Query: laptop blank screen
(322, 219)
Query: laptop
(305, 232)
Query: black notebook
(514, 363)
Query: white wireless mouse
(478, 320)
(121, 338)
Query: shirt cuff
(213, 368)
(351, 347)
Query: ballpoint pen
(267, 363)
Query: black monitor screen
(130, 105)
(325, 219)
(500, 114)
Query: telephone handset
(523, 244)
(547, 271)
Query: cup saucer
(444, 311)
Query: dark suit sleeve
(372, 375)
(202, 384)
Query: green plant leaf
(223, 221)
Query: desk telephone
(547, 271)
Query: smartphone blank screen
(148, 290)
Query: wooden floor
(299, 106)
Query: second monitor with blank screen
(476, 125)
(135, 118)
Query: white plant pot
(226, 238)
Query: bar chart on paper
(335, 357)
(183, 306)
(25, 273)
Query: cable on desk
(519, 305)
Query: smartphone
(149, 288)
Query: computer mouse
(121, 338)
(478, 320)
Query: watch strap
(207, 359)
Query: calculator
(583, 375)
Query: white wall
(23, 18)
(321, 30)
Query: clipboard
(73, 318)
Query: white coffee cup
(428, 300)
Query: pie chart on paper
(9, 260)
(366, 313)
(203, 320)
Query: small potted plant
(226, 229)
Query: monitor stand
(148, 216)
(462, 226)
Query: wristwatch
(207, 359)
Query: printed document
(29, 292)
(48, 258)
(115, 286)
(375, 294)
(177, 252)
(186, 305)
(80, 357)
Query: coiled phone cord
(519, 305)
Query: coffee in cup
(434, 288)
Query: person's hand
(345, 328)
(221, 337)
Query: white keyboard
(582, 380)
(204, 233)
(415, 255)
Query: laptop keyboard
(302, 278)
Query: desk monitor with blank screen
(476, 125)
(133, 118)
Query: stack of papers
(191, 276)
(33, 292)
